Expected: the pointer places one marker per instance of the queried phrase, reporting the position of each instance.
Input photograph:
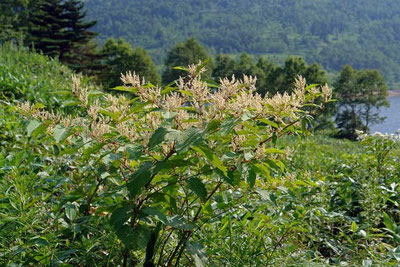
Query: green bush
(29, 76)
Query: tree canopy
(184, 54)
(360, 94)
(363, 33)
(58, 29)
(120, 57)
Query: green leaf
(389, 223)
(156, 213)
(157, 137)
(228, 125)
(197, 186)
(179, 222)
(71, 103)
(126, 89)
(140, 178)
(39, 105)
(35, 127)
(211, 157)
(354, 227)
(134, 238)
(262, 169)
(198, 253)
(249, 174)
(91, 150)
(181, 68)
(70, 212)
(185, 139)
(60, 133)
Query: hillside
(364, 33)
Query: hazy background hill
(363, 33)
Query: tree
(225, 66)
(360, 95)
(58, 30)
(14, 15)
(120, 57)
(183, 54)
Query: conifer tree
(58, 29)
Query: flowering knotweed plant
(159, 163)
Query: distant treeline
(363, 33)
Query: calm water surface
(392, 114)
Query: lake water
(392, 114)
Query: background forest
(363, 33)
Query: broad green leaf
(227, 126)
(39, 105)
(156, 213)
(227, 178)
(92, 150)
(211, 157)
(133, 90)
(262, 169)
(35, 127)
(184, 140)
(198, 253)
(70, 212)
(60, 133)
(71, 103)
(197, 186)
(272, 150)
(249, 174)
(140, 178)
(157, 137)
(389, 223)
(179, 222)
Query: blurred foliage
(120, 57)
(183, 55)
(360, 95)
(363, 33)
(29, 76)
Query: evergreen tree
(58, 30)
(184, 54)
(120, 57)
(83, 55)
(49, 33)
(14, 17)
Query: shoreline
(393, 93)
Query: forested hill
(363, 33)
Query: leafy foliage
(29, 76)
(191, 174)
(364, 34)
(184, 54)
(120, 57)
(360, 94)
(155, 165)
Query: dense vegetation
(191, 169)
(67, 193)
(363, 33)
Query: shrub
(158, 169)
